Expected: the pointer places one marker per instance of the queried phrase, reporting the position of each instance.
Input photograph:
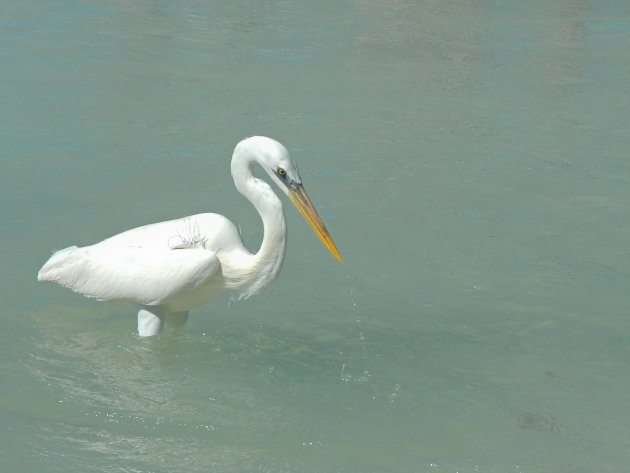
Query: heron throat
(267, 262)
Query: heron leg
(177, 320)
(150, 320)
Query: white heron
(172, 267)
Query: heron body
(169, 268)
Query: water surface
(471, 162)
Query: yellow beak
(300, 199)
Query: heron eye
(281, 172)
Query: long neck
(267, 262)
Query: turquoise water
(471, 162)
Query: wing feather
(143, 275)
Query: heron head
(275, 159)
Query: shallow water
(471, 162)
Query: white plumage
(172, 267)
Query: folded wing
(141, 275)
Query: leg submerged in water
(150, 320)
(176, 320)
